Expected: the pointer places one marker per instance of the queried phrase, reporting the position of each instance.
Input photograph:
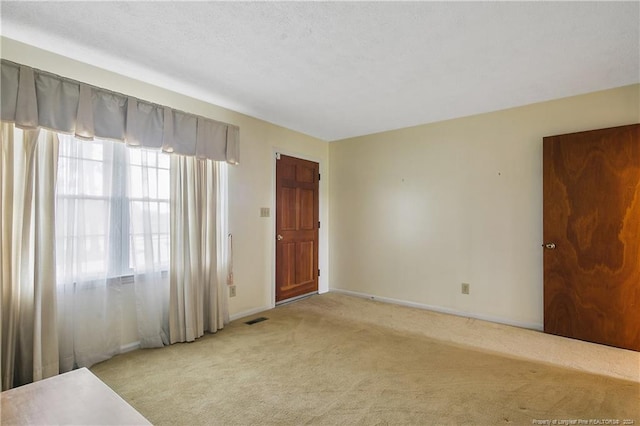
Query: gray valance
(32, 98)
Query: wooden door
(592, 215)
(296, 227)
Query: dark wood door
(592, 215)
(296, 227)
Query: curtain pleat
(233, 145)
(57, 111)
(144, 124)
(209, 130)
(84, 118)
(45, 336)
(32, 99)
(109, 115)
(26, 100)
(29, 348)
(185, 133)
(195, 304)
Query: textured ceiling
(335, 70)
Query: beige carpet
(331, 359)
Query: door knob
(549, 246)
(279, 237)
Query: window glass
(112, 215)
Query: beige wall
(418, 211)
(250, 183)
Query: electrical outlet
(232, 291)
(465, 288)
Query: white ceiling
(336, 69)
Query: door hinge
(319, 176)
(277, 155)
(318, 224)
(318, 272)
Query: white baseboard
(529, 325)
(249, 312)
(129, 347)
(136, 345)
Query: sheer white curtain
(88, 225)
(112, 249)
(197, 300)
(28, 161)
(148, 194)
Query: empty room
(285, 213)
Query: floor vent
(256, 320)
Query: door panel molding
(296, 227)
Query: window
(112, 210)
(148, 198)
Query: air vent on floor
(256, 320)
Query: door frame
(323, 215)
